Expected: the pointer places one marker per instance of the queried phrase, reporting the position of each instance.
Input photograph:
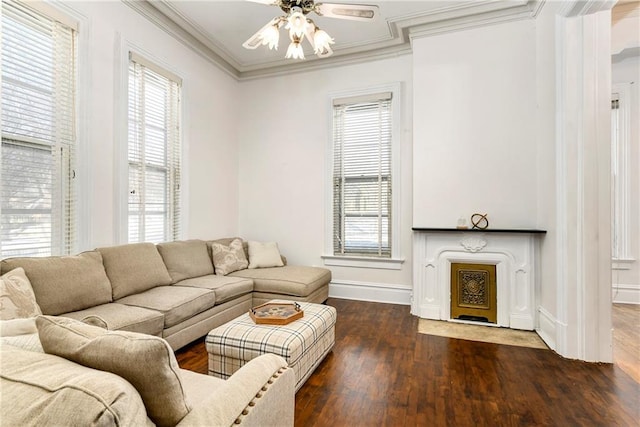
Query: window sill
(364, 262)
(622, 263)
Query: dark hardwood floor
(381, 372)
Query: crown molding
(314, 64)
(164, 22)
(478, 15)
(402, 30)
(195, 30)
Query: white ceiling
(218, 28)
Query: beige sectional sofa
(96, 358)
(168, 290)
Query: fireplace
(473, 292)
(513, 254)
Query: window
(362, 175)
(37, 204)
(153, 153)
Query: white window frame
(620, 188)
(124, 50)
(79, 176)
(395, 261)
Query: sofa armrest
(261, 393)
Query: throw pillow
(17, 300)
(264, 255)
(146, 361)
(227, 259)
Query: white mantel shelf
(478, 230)
(514, 252)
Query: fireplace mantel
(514, 252)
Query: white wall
(283, 165)
(209, 123)
(474, 132)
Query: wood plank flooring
(626, 338)
(381, 372)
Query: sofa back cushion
(186, 259)
(134, 268)
(147, 362)
(65, 283)
(45, 390)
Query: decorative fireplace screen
(473, 292)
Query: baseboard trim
(373, 292)
(547, 327)
(625, 294)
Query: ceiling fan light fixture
(297, 22)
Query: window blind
(37, 199)
(154, 149)
(362, 137)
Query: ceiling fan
(295, 20)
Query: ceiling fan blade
(267, 2)
(356, 12)
(254, 41)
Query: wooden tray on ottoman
(276, 313)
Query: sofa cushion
(186, 259)
(227, 259)
(133, 268)
(41, 389)
(147, 362)
(120, 317)
(264, 255)
(288, 280)
(176, 303)
(65, 283)
(225, 287)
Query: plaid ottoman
(303, 343)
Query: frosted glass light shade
(270, 36)
(295, 51)
(322, 42)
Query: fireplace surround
(513, 252)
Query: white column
(583, 181)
